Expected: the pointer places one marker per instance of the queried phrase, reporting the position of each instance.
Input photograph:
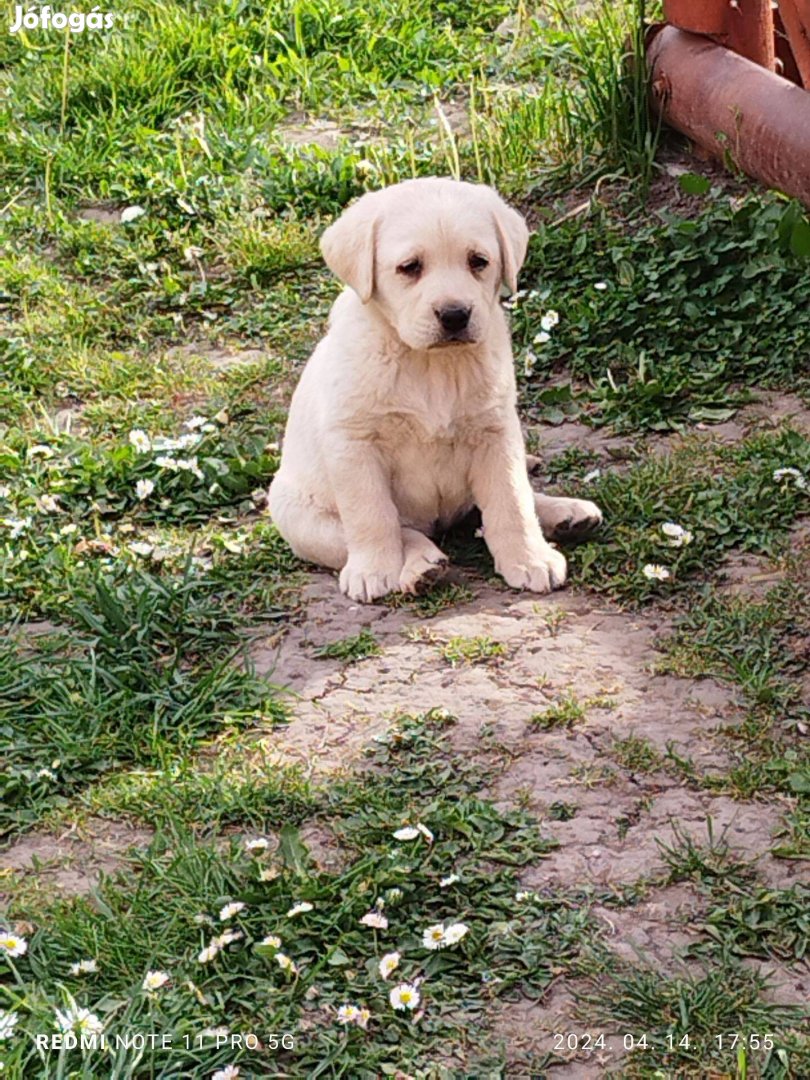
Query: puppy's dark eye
(411, 268)
(478, 263)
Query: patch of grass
(441, 597)
(672, 334)
(757, 645)
(566, 712)
(472, 650)
(726, 496)
(165, 910)
(707, 864)
(239, 786)
(770, 923)
(147, 670)
(636, 754)
(689, 1022)
(350, 649)
(562, 811)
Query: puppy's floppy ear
(348, 246)
(513, 239)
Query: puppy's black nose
(453, 319)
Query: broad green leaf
(694, 183)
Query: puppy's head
(431, 255)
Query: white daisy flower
(144, 488)
(394, 895)
(17, 526)
(153, 980)
(230, 1072)
(215, 1033)
(676, 534)
(131, 213)
(404, 996)
(69, 530)
(259, 844)
(48, 504)
(230, 910)
(140, 440)
(166, 461)
(82, 1021)
(140, 547)
(655, 572)
(227, 938)
(299, 909)
(795, 475)
(541, 338)
(209, 953)
(446, 882)
(347, 1014)
(389, 963)
(375, 919)
(455, 932)
(84, 967)
(46, 774)
(190, 465)
(286, 964)
(600, 285)
(8, 1021)
(433, 937)
(272, 940)
(550, 320)
(12, 944)
(525, 894)
(40, 450)
(406, 833)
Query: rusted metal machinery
(734, 75)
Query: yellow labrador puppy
(405, 417)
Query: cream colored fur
(400, 425)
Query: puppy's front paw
(539, 572)
(369, 580)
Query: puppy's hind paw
(421, 573)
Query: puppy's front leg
(504, 496)
(371, 526)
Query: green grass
(164, 911)
(663, 319)
(726, 496)
(350, 649)
(688, 1022)
(146, 670)
(564, 713)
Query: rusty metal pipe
(795, 17)
(731, 106)
(749, 24)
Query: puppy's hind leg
(312, 533)
(566, 519)
(424, 563)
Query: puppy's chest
(443, 410)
